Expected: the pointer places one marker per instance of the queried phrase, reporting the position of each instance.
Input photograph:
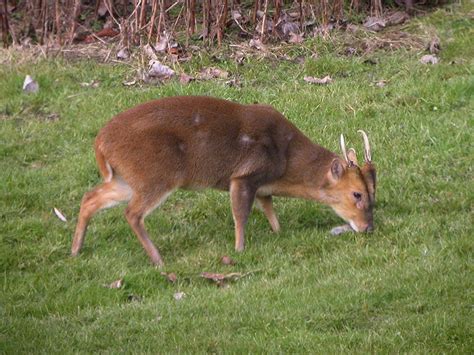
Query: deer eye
(357, 195)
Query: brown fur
(252, 151)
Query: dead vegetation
(155, 37)
(170, 25)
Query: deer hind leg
(265, 203)
(242, 195)
(103, 196)
(138, 208)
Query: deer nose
(370, 228)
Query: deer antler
(367, 153)
(343, 148)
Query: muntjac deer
(252, 151)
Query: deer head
(350, 189)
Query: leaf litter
(171, 277)
(429, 59)
(30, 85)
(116, 284)
(227, 260)
(313, 80)
(59, 214)
(178, 296)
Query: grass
(407, 287)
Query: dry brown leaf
(93, 84)
(163, 43)
(257, 44)
(227, 260)
(150, 51)
(375, 23)
(434, 46)
(116, 284)
(59, 214)
(234, 83)
(236, 15)
(53, 116)
(381, 83)
(160, 71)
(341, 230)
(123, 54)
(211, 73)
(312, 80)
(102, 9)
(296, 37)
(429, 59)
(289, 27)
(397, 18)
(129, 83)
(179, 296)
(171, 277)
(185, 78)
(30, 85)
(216, 277)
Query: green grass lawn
(407, 287)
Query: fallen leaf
(301, 59)
(268, 25)
(163, 43)
(257, 44)
(59, 214)
(397, 18)
(93, 84)
(381, 83)
(341, 229)
(312, 80)
(213, 276)
(233, 83)
(123, 54)
(296, 37)
(211, 73)
(236, 15)
(375, 23)
(116, 284)
(107, 32)
(429, 59)
(179, 296)
(102, 10)
(160, 71)
(351, 51)
(171, 277)
(175, 51)
(150, 51)
(185, 78)
(289, 27)
(30, 85)
(36, 165)
(129, 83)
(352, 28)
(227, 260)
(239, 57)
(52, 116)
(216, 277)
(434, 46)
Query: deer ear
(337, 169)
(351, 155)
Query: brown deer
(252, 151)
